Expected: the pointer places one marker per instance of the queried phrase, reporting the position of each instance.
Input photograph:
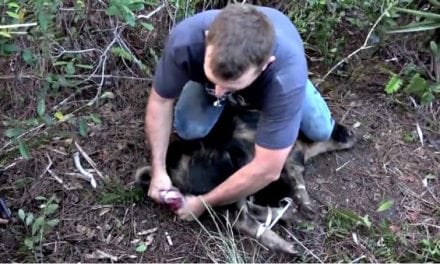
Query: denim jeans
(195, 113)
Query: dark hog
(198, 166)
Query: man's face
(223, 87)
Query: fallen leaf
(385, 205)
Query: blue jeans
(195, 114)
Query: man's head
(239, 46)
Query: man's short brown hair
(241, 37)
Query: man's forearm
(265, 168)
(158, 119)
(246, 181)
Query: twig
(302, 245)
(357, 259)
(47, 167)
(18, 25)
(152, 12)
(363, 47)
(109, 76)
(56, 177)
(89, 160)
(88, 176)
(60, 51)
(425, 224)
(170, 242)
(10, 165)
(342, 166)
(420, 133)
(21, 135)
(122, 43)
(412, 193)
(102, 63)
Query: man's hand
(159, 182)
(192, 208)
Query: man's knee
(194, 114)
(188, 131)
(317, 122)
(321, 132)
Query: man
(252, 54)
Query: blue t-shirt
(278, 92)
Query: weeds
(39, 225)
(227, 248)
(430, 250)
(116, 194)
(421, 81)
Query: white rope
(269, 222)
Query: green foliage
(418, 81)
(416, 85)
(318, 22)
(378, 237)
(141, 248)
(121, 53)
(45, 10)
(115, 193)
(126, 9)
(409, 137)
(385, 205)
(424, 20)
(340, 221)
(11, 13)
(430, 250)
(38, 226)
(393, 84)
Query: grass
(116, 194)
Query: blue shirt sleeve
(172, 70)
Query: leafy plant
(45, 11)
(13, 134)
(418, 86)
(11, 13)
(424, 20)
(125, 9)
(115, 193)
(418, 83)
(393, 84)
(431, 249)
(39, 225)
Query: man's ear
(269, 61)
(206, 33)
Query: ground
(388, 163)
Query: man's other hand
(192, 208)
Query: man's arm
(158, 119)
(261, 171)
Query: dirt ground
(388, 163)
